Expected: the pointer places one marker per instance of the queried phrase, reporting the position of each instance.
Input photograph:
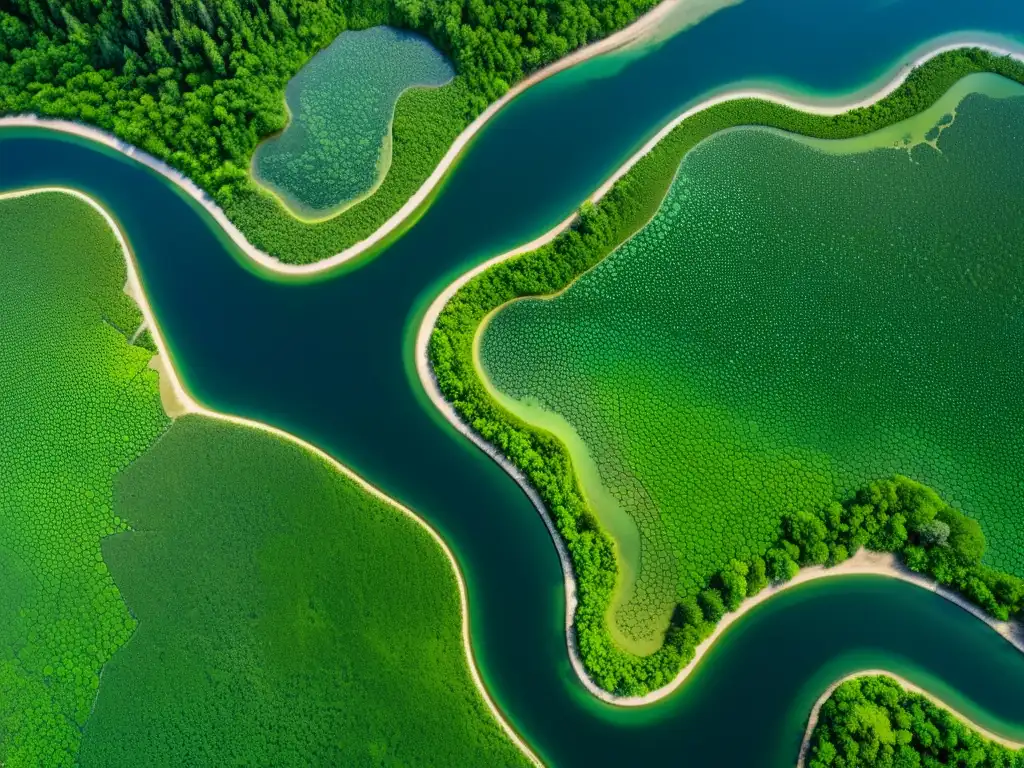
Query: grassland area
(286, 617)
(337, 146)
(873, 722)
(198, 85)
(77, 404)
(770, 369)
(259, 606)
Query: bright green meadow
(77, 404)
(791, 325)
(286, 617)
(337, 146)
(278, 614)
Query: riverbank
(637, 31)
(861, 563)
(178, 401)
(455, 345)
(812, 721)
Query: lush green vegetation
(77, 404)
(600, 228)
(874, 722)
(336, 145)
(716, 392)
(266, 590)
(286, 617)
(198, 84)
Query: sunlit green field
(337, 145)
(262, 610)
(77, 404)
(286, 617)
(793, 323)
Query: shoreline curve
(630, 34)
(1013, 633)
(177, 401)
(637, 32)
(812, 720)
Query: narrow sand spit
(862, 562)
(805, 746)
(179, 402)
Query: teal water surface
(330, 360)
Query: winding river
(331, 361)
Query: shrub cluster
(545, 461)
(875, 722)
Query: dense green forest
(826, 535)
(198, 83)
(874, 722)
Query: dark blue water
(330, 360)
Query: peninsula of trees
(873, 721)
(895, 515)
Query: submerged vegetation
(77, 404)
(600, 229)
(286, 617)
(873, 722)
(278, 613)
(198, 84)
(341, 103)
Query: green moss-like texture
(873, 722)
(785, 331)
(600, 229)
(286, 617)
(341, 104)
(77, 404)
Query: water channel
(331, 361)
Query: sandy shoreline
(178, 402)
(638, 30)
(812, 721)
(643, 29)
(1013, 634)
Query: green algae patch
(791, 325)
(77, 404)
(286, 617)
(337, 147)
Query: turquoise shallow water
(330, 361)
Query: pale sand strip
(177, 402)
(805, 746)
(638, 30)
(856, 564)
